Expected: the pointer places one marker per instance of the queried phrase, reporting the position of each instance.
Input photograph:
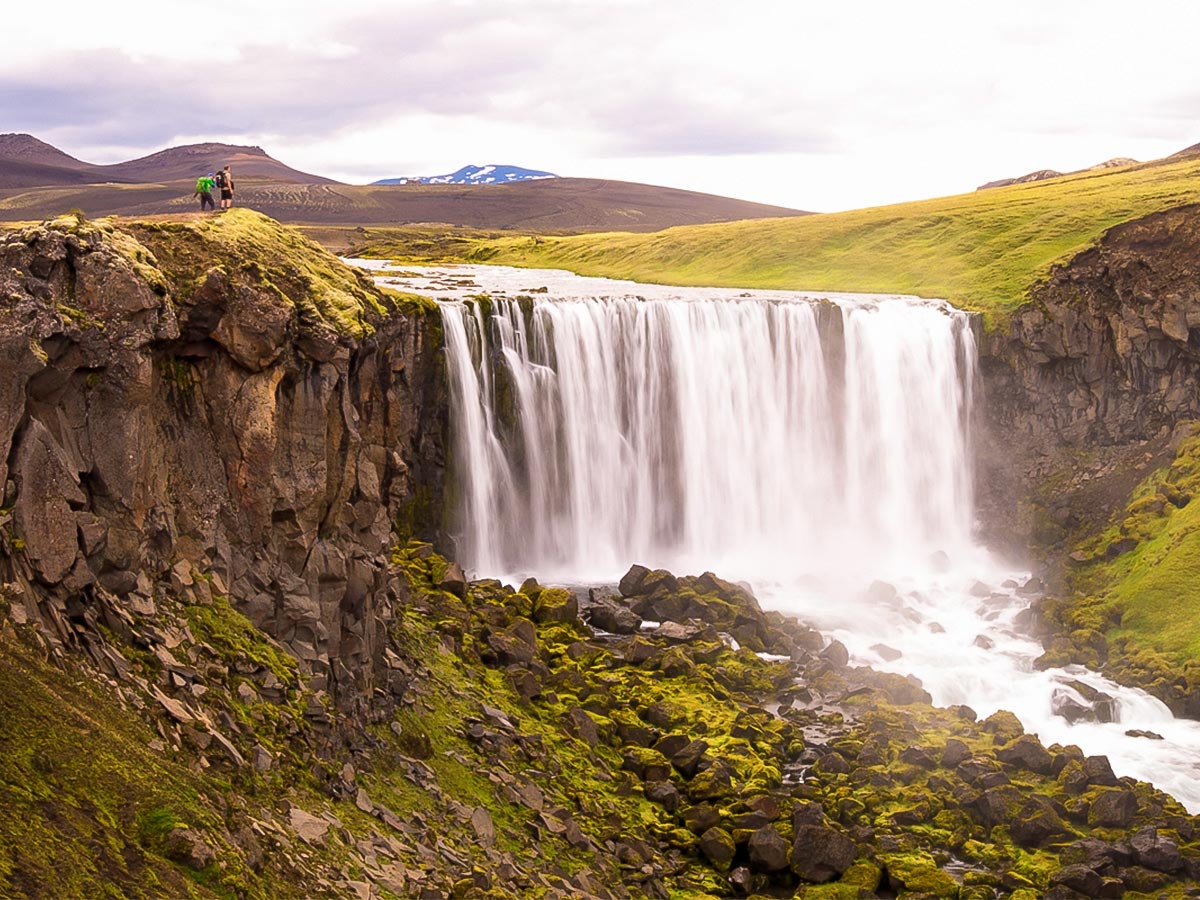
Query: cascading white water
(781, 429)
(807, 446)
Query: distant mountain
(1039, 175)
(1043, 174)
(1193, 150)
(26, 161)
(475, 175)
(192, 160)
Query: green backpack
(204, 184)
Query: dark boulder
(1027, 752)
(1078, 878)
(1156, 851)
(717, 845)
(768, 850)
(1113, 808)
(821, 854)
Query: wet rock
(1076, 701)
(886, 653)
(612, 616)
(836, 654)
(1149, 735)
(631, 581)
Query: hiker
(225, 185)
(204, 187)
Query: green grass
(1146, 600)
(253, 248)
(982, 251)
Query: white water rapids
(806, 444)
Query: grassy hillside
(981, 251)
(1132, 605)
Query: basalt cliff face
(1086, 387)
(212, 397)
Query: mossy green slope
(82, 795)
(1136, 583)
(982, 251)
(246, 244)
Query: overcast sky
(826, 106)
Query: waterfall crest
(779, 431)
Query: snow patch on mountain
(494, 174)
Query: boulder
(1113, 808)
(607, 614)
(717, 846)
(1078, 878)
(1156, 851)
(768, 850)
(821, 853)
(556, 605)
(454, 581)
(1027, 752)
(631, 581)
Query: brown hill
(192, 160)
(559, 204)
(26, 161)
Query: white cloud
(861, 102)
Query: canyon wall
(213, 407)
(1083, 392)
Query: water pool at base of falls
(815, 446)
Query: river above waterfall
(816, 446)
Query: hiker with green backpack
(204, 187)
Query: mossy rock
(555, 605)
(918, 873)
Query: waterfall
(779, 432)
(806, 445)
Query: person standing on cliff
(204, 187)
(225, 184)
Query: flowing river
(815, 446)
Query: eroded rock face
(147, 432)
(1106, 356)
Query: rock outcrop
(216, 399)
(1105, 358)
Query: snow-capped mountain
(474, 175)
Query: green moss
(234, 638)
(270, 256)
(1141, 598)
